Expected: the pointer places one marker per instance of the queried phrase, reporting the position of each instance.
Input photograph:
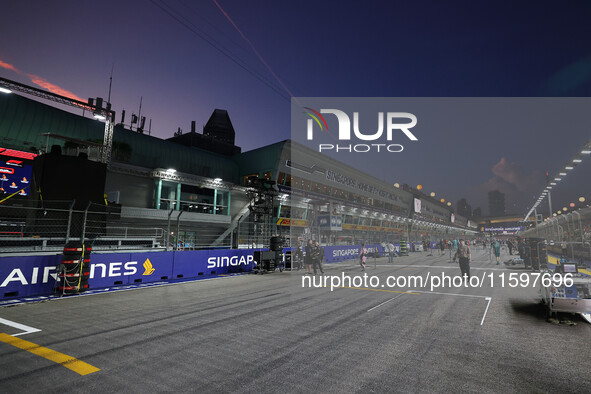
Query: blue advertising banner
(36, 275)
(330, 222)
(112, 269)
(334, 254)
(28, 275)
(323, 221)
(196, 263)
(15, 172)
(513, 229)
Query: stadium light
(586, 150)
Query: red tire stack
(76, 268)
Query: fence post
(581, 228)
(178, 226)
(69, 221)
(539, 256)
(168, 231)
(84, 223)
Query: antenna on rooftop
(110, 83)
(139, 115)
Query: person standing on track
(298, 257)
(317, 258)
(362, 256)
(391, 251)
(496, 246)
(464, 256)
(308, 257)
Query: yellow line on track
(69, 362)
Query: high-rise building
(463, 208)
(496, 203)
(218, 135)
(477, 213)
(220, 127)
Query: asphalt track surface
(266, 333)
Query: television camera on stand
(270, 260)
(261, 193)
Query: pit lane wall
(333, 254)
(25, 276)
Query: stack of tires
(75, 268)
(403, 248)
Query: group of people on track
(312, 259)
(314, 254)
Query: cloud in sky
(37, 80)
(53, 88)
(9, 67)
(509, 178)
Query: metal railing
(47, 226)
(571, 232)
(192, 206)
